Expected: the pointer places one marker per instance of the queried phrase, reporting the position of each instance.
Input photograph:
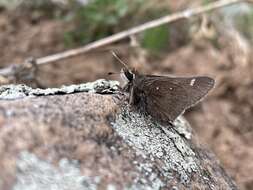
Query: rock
(86, 137)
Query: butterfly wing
(168, 97)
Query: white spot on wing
(192, 82)
(157, 88)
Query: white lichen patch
(192, 82)
(36, 174)
(10, 92)
(158, 143)
(183, 127)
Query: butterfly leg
(131, 96)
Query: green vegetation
(95, 20)
(9, 4)
(99, 18)
(156, 39)
(244, 23)
(34, 8)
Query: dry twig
(124, 34)
(127, 33)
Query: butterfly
(164, 97)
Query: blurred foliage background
(217, 44)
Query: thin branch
(124, 34)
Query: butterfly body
(163, 97)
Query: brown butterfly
(163, 97)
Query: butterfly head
(127, 75)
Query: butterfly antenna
(120, 60)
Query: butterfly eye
(129, 75)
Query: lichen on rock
(36, 174)
(157, 142)
(9, 92)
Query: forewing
(168, 97)
(196, 87)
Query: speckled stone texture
(87, 137)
